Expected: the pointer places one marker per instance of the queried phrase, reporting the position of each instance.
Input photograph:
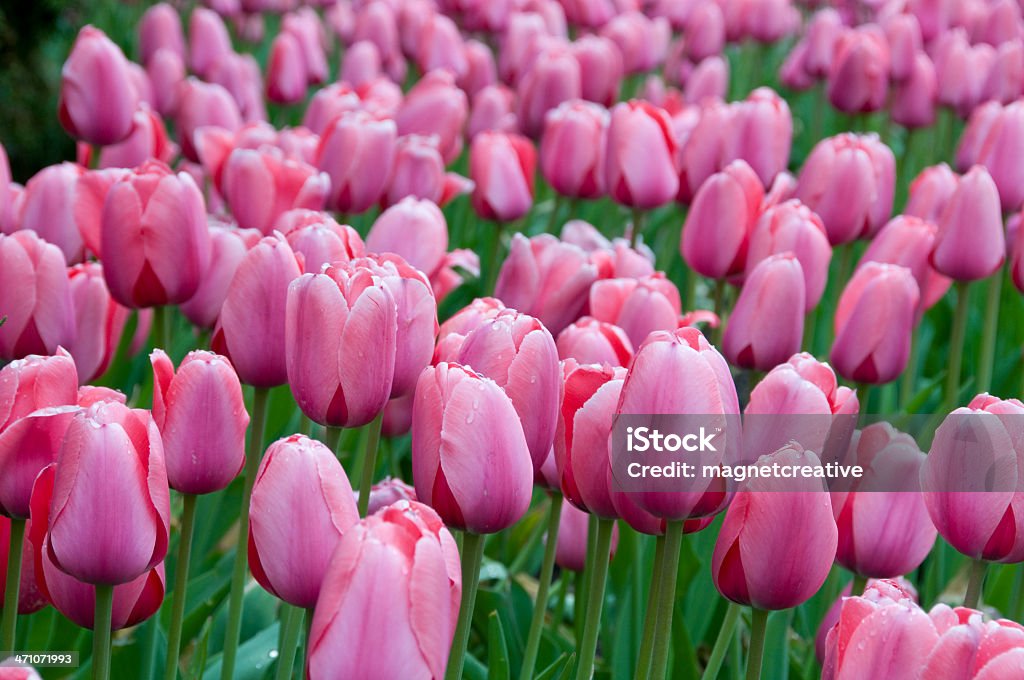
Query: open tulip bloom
(593, 339)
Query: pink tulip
(858, 80)
(134, 601)
(637, 306)
(792, 227)
(849, 180)
(419, 172)
(524, 31)
(97, 97)
(166, 71)
(47, 207)
(896, 589)
(1015, 235)
(1000, 137)
(761, 134)
(958, 65)
(228, 247)
(601, 69)
(254, 308)
(90, 195)
(259, 186)
(909, 241)
(109, 528)
(440, 46)
(718, 225)
(914, 99)
(1006, 75)
(388, 491)
(155, 237)
(970, 243)
(202, 418)
(99, 320)
(240, 76)
(148, 140)
(328, 384)
(983, 650)
(34, 383)
(502, 167)
(160, 29)
(903, 35)
(30, 599)
(34, 297)
(708, 80)
(884, 534)
(209, 41)
(393, 583)
(470, 458)
(493, 110)
(823, 33)
(286, 70)
(613, 259)
(874, 323)
(453, 332)
(590, 341)
(701, 145)
(785, 566)
(554, 77)
(376, 22)
(361, 64)
(357, 151)
(642, 41)
(300, 482)
(930, 192)
(435, 106)
(572, 149)
(571, 551)
(307, 28)
(200, 105)
(319, 239)
(767, 324)
(982, 525)
(481, 69)
(518, 353)
(28, 445)
(704, 35)
(639, 163)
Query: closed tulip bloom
(28, 445)
(202, 419)
(356, 151)
(286, 70)
(909, 241)
(394, 584)
(999, 139)
(440, 46)
(34, 296)
(982, 649)
(493, 110)
(518, 353)
(1015, 235)
(601, 68)
(97, 97)
(435, 106)
(874, 323)
(1006, 75)
(240, 76)
(259, 186)
(419, 172)
(47, 208)
(961, 67)
(718, 225)
(147, 140)
(897, 589)
(590, 341)
(903, 35)
(90, 195)
(166, 71)
(319, 239)
(36, 382)
(767, 324)
(930, 192)
(470, 459)
(502, 167)
(642, 41)
(329, 386)
(208, 40)
(300, 483)
(849, 180)
(762, 134)
(109, 520)
(982, 525)
(361, 64)
(913, 99)
(134, 601)
(792, 227)
(572, 149)
(554, 77)
(971, 244)
(639, 161)
(884, 534)
(155, 237)
(99, 320)
(203, 105)
(453, 332)
(573, 527)
(227, 248)
(858, 80)
(251, 327)
(765, 561)
(481, 69)
(637, 306)
(307, 28)
(160, 28)
(708, 80)
(30, 599)
(377, 23)
(704, 35)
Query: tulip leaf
(497, 650)
(558, 668)
(255, 655)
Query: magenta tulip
(930, 192)
(639, 165)
(99, 320)
(601, 68)
(388, 491)
(998, 136)
(286, 70)
(209, 40)
(47, 207)
(419, 172)
(201, 105)
(761, 133)
(36, 382)
(637, 306)
(356, 151)
(259, 186)
(914, 99)
(572, 149)
(858, 80)
(571, 551)
(97, 97)
(590, 341)
(435, 106)
(502, 166)
(160, 29)
(792, 227)
(228, 247)
(453, 332)
(318, 239)
(552, 78)
(970, 243)
(909, 241)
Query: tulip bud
(300, 482)
(718, 225)
(435, 106)
(356, 151)
(502, 166)
(762, 134)
(874, 323)
(160, 29)
(573, 528)
(318, 239)
(389, 490)
(913, 99)
(97, 98)
(903, 35)
(553, 78)
(601, 68)
(166, 71)
(99, 320)
(414, 229)
(208, 42)
(34, 297)
(36, 382)
(419, 172)
(767, 324)
(708, 80)
(481, 69)
(961, 67)
(228, 247)
(704, 35)
(440, 46)
(147, 140)
(305, 25)
(930, 192)
(47, 208)
(203, 105)
(970, 243)
(470, 458)
(1006, 75)
(998, 136)
(858, 80)
(642, 41)
(995, 646)
(639, 166)
(405, 553)
(590, 341)
(259, 186)
(792, 227)
(492, 111)
(782, 567)
(823, 32)
(286, 70)
(572, 149)
(251, 327)
(909, 241)
(637, 306)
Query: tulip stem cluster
(666, 596)
(10, 612)
(722, 642)
(540, 606)
(101, 633)
(975, 583)
(369, 462)
(645, 656)
(188, 521)
(472, 556)
(238, 575)
(595, 598)
(758, 626)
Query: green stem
(579, 606)
(858, 585)
(956, 343)
(909, 379)
(292, 620)
(188, 517)
(581, 593)
(161, 331)
(369, 462)
(471, 559)
(595, 598)
(540, 606)
(645, 655)
(667, 597)
(236, 598)
(988, 336)
(332, 438)
(863, 394)
(758, 624)
(638, 225)
(719, 302)
(975, 583)
(9, 625)
(101, 633)
(553, 218)
(493, 260)
(722, 642)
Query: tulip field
(512, 339)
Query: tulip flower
(859, 76)
(704, 35)
(502, 167)
(908, 241)
(260, 186)
(389, 491)
(930, 192)
(1006, 74)
(319, 239)
(47, 207)
(639, 165)
(992, 135)
(34, 383)
(552, 78)
(572, 538)
(97, 98)
(986, 650)
(166, 71)
(406, 556)
(228, 247)
(201, 105)
(492, 111)
(642, 41)
(761, 133)
(637, 306)
(590, 341)
(34, 297)
(154, 237)
(419, 172)
(914, 99)
(708, 80)
(718, 225)
(99, 320)
(209, 41)
(305, 25)
(874, 323)
(251, 327)
(615, 258)
(435, 106)
(956, 60)
(291, 468)
(970, 243)
(160, 29)
(767, 324)
(286, 70)
(356, 151)
(601, 68)
(572, 149)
